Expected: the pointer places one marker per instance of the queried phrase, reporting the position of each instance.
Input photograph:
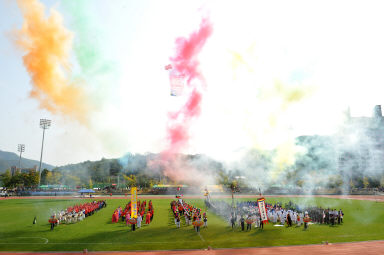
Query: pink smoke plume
(186, 63)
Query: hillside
(8, 159)
(133, 164)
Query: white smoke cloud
(333, 50)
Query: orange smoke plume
(47, 44)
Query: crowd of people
(244, 214)
(192, 214)
(142, 213)
(247, 212)
(75, 213)
(318, 215)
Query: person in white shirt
(139, 220)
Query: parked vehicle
(4, 193)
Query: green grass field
(364, 220)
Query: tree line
(30, 179)
(135, 170)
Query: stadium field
(363, 220)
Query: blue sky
(18, 112)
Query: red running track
(366, 248)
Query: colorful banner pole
(134, 202)
(262, 210)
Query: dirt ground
(366, 248)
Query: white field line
(45, 239)
(202, 239)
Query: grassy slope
(363, 221)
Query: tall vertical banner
(262, 210)
(134, 202)
(177, 83)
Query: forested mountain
(139, 165)
(8, 159)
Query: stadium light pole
(21, 149)
(44, 124)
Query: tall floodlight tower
(21, 149)
(44, 124)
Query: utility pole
(21, 149)
(44, 124)
(233, 198)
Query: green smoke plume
(88, 39)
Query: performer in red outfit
(148, 218)
(52, 221)
(115, 216)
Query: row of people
(75, 213)
(319, 215)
